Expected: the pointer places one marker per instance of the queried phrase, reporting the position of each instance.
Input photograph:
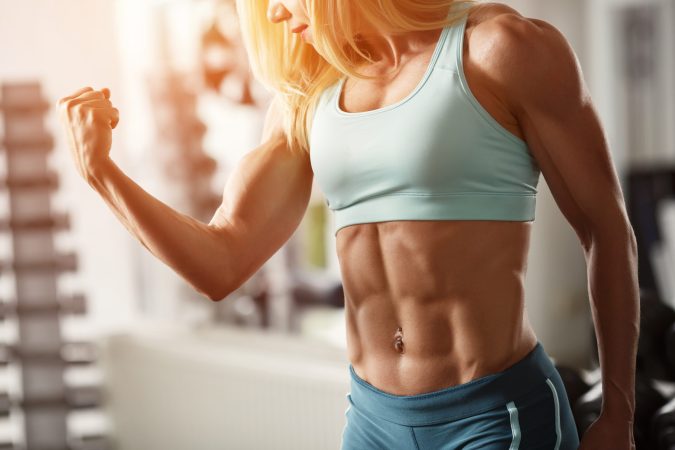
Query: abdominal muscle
(432, 304)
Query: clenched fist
(88, 118)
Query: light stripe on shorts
(515, 425)
(557, 413)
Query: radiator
(169, 388)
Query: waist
(458, 401)
(431, 350)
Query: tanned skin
(428, 304)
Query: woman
(429, 123)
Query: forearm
(615, 305)
(191, 248)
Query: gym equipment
(223, 61)
(40, 352)
(648, 399)
(656, 318)
(655, 367)
(662, 431)
(647, 187)
(574, 382)
(586, 409)
(670, 348)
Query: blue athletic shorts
(522, 407)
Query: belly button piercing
(398, 343)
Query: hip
(522, 406)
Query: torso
(432, 304)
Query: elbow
(218, 282)
(224, 284)
(215, 298)
(216, 295)
(214, 291)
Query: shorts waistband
(454, 402)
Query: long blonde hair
(297, 72)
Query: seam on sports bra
(440, 44)
(431, 194)
(480, 109)
(443, 194)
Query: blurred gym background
(104, 347)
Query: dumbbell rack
(40, 351)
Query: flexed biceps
(88, 118)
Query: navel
(398, 340)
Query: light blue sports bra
(435, 155)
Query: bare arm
(264, 200)
(183, 243)
(542, 82)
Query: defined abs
(425, 311)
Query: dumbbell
(656, 318)
(574, 382)
(648, 399)
(662, 430)
(586, 409)
(670, 350)
(656, 322)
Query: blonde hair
(297, 72)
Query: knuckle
(78, 110)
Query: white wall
(67, 45)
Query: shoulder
(523, 56)
(495, 28)
(501, 23)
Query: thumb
(115, 118)
(106, 92)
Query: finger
(106, 92)
(115, 118)
(96, 103)
(108, 115)
(89, 95)
(75, 94)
